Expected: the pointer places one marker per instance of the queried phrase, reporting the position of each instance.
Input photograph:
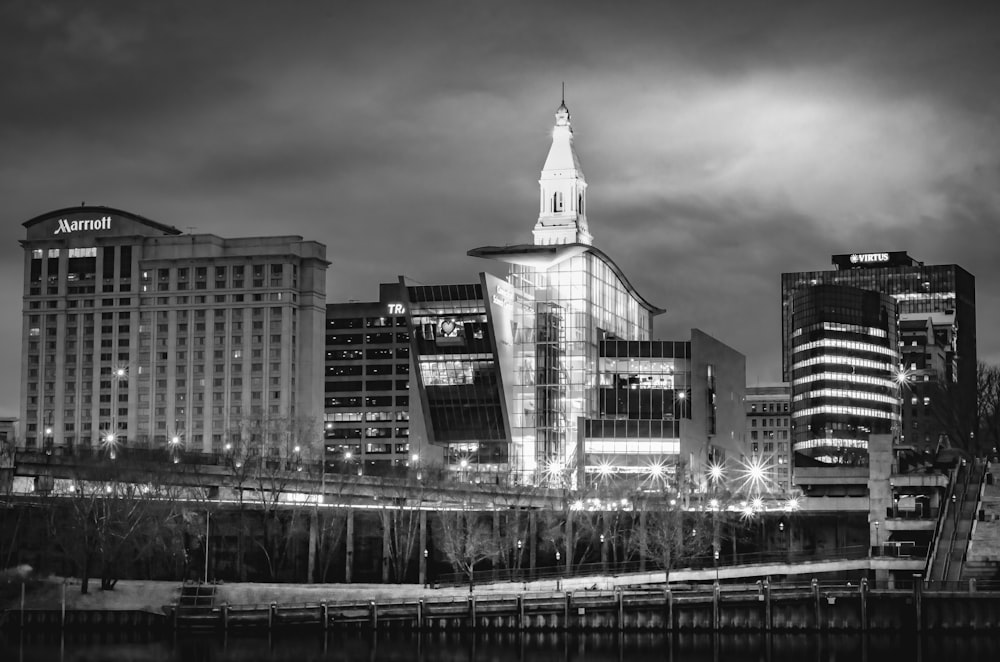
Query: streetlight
(878, 549)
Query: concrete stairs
(195, 599)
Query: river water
(307, 646)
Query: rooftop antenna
(564, 93)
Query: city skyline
(720, 150)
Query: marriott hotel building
(135, 332)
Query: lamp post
(878, 549)
(715, 556)
(117, 375)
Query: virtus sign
(78, 225)
(866, 258)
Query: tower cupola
(562, 215)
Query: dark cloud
(722, 145)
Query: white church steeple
(562, 217)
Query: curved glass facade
(576, 303)
(843, 360)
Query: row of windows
(370, 416)
(377, 354)
(367, 401)
(364, 322)
(382, 369)
(769, 434)
(369, 433)
(769, 422)
(369, 338)
(358, 386)
(765, 407)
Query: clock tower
(562, 217)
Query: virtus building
(136, 334)
(936, 308)
(845, 357)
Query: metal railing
(595, 569)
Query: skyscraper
(138, 335)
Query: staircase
(983, 560)
(955, 531)
(196, 599)
(968, 509)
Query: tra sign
(67, 226)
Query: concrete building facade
(136, 334)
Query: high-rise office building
(845, 359)
(936, 306)
(136, 334)
(367, 385)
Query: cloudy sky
(723, 142)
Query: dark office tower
(367, 396)
(936, 307)
(844, 360)
(136, 334)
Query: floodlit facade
(136, 334)
(845, 359)
(563, 302)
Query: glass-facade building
(458, 375)
(936, 306)
(519, 375)
(844, 361)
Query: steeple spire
(562, 215)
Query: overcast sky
(723, 142)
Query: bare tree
(113, 519)
(466, 540)
(972, 427)
(400, 517)
(673, 535)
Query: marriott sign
(66, 226)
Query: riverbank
(138, 595)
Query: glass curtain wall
(576, 304)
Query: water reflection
(307, 646)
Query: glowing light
(758, 504)
(716, 471)
(748, 512)
(792, 504)
(903, 376)
(297, 449)
(347, 455)
(175, 440)
(464, 463)
(713, 504)
(415, 457)
(754, 475)
(604, 470)
(554, 470)
(577, 505)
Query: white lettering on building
(865, 258)
(395, 308)
(66, 226)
